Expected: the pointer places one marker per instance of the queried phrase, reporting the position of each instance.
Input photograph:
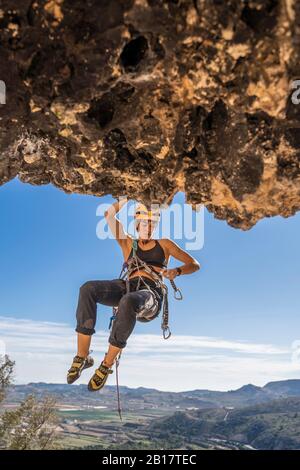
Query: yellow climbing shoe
(78, 365)
(99, 378)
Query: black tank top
(155, 256)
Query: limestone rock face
(146, 98)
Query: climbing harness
(132, 264)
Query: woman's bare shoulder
(165, 244)
(164, 241)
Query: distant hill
(272, 425)
(289, 388)
(249, 417)
(249, 394)
(78, 394)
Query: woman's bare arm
(114, 224)
(190, 264)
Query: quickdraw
(132, 264)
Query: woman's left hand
(169, 273)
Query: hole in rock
(134, 52)
(102, 110)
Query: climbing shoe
(79, 363)
(99, 378)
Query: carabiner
(176, 290)
(166, 329)
(180, 294)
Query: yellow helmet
(142, 213)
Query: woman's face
(146, 228)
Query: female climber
(155, 253)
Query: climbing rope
(117, 379)
(132, 264)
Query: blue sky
(246, 290)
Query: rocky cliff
(146, 98)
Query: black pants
(113, 294)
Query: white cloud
(43, 351)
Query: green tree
(32, 425)
(6, 371)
